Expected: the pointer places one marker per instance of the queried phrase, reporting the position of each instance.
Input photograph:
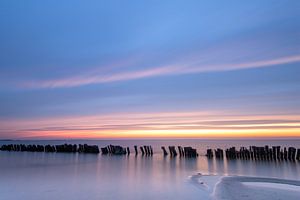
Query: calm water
(26, 175)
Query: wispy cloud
(173, 124)
(173, 69)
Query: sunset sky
(149, 69)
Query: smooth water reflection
(26, 175)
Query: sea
(75, 176)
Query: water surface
(35, 176)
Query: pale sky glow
(155, 69)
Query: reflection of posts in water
(189, 163)
(220, 166)
(210, 165)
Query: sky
(149, 69)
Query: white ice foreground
(246, 188)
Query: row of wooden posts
(183, 151)
(146, 150)
(64, 148)
(253, 153)
(256, 153)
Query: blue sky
(79, 58)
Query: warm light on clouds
(157, 125)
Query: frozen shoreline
(246, 188)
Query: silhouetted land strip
(251, 153)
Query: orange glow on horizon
(157, 125)
(140, 134)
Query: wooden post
(179, 150)
(164, 151)
(285, 153)
(136, 150)
(209, 153)
(298, 154)
(151, 151)
(142, 150)
(128, 150)
(291, 153)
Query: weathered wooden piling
(298, 154)
(243, 153)
(115, 150)
(231, 153)
(145, 150)
(151, 151)
(128, 150)
(108, 149)
(253, 152)
(266, 152)
(5, 148)
(171, 153)
(285, 154)
(180, 151)
(136, 150)
(80, 148)
(172, 150)
(260, 153)
(104, 150)
(278, 152)
(291, 153)
(142, 150)
(148, 151)
(209, 153)
(118, 150)
(219, 153)
(274, 153)
(63, 148)
(190, 152)
(91, 148)
(164, 151)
